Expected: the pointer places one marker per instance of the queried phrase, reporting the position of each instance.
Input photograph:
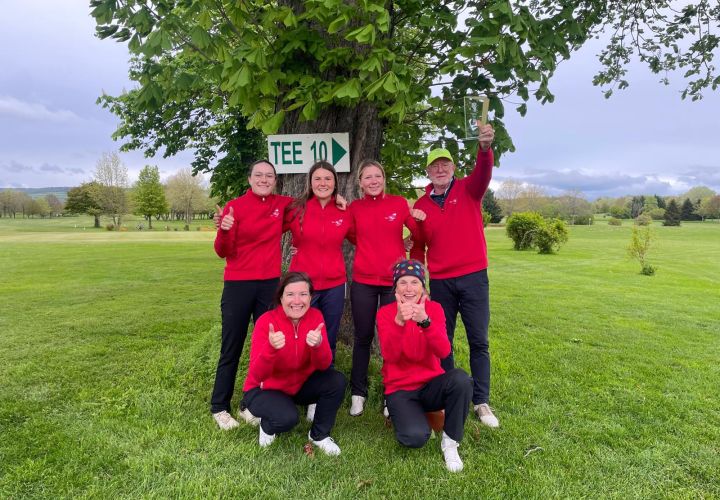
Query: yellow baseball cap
(438, 153)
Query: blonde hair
(369, 163)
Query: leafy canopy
(212, 73)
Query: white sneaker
(486, 416)
(311, 412)
(327, 445)
(265, 440)
(357, 406)
(225, 420)
(248, 417)
(449, 448)
(386, 412)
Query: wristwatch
(424, 323)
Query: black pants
(469, 294)
(331, 302)
(365, 300)
(450, 391)
(240, 299)
(277, 410)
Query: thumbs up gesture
(228, 220)
(404, 310)
(277, 339)
(314, 337)
(217, 216)
(418, 310)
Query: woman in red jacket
(378, 221)
(413, 340)
(248, 238)
(290, 365)
(318, 228)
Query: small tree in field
(551, 236)
(672, 214)
(186, 193)
(112, 177)
(85, 199)
(149, 194)
(640, 242)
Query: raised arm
(479, 178)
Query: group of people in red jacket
(297, 316)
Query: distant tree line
(109, 194)
(14, 203)
(697, 204)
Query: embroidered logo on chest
(275, 213)
(391, 217)
(336, 223)
(452, 202)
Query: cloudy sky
(643, 140)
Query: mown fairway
(605, 381)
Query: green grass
(108, 345)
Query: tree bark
(365, 129)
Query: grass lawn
(605, 381)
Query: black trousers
(365, 301)
(277, 410)
(470, 295)
(240, 300)
(331, 303)
(450, 391)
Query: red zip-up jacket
(251, 247)
(454, 234)
(378, 236)
(318, 235)
(411, 355)
(288, 368)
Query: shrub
(551, 235)
(584, 220)
(615, 222)
(110, 227)
(486, 218)
(186, 227)
(521, 228)
(643, 220)
(640, 242)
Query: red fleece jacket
(251, 247)
(454, 234)
(411, 355)
(378, 235)
(318, 235)
(288, 368)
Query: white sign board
(296, 153)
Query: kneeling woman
(290, 365)
(413, 340)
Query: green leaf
(310, 111)
(337, 24)
(200, 37)
(350, 89)
(273, 124)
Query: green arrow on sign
(337, 152)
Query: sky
(644, 140)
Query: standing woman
(290, 364)
(413, 340)
(318, 229)
(378, 221)
(249, 240)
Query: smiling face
(440, 173)
(295, 300)
(372, 181)
(262, 179)
(410, 288)
(322, 183)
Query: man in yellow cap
(457, 260)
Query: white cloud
(9, 106)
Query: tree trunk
(365, 129)
(97, 221)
